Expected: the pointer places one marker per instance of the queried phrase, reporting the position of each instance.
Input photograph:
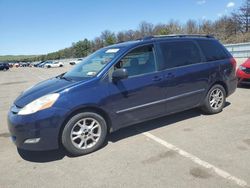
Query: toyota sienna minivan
(121, 85)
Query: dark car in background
(243, 73)
(37, 64)
(121, 85)
(43, 64)
(24, 64)
(4, 66)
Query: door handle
(157, 78)
(170, 75)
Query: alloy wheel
(85, 133)
(216, 98)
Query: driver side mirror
(119, 74)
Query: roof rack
(176, 36)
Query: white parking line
(197, 160)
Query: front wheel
(84, 133)
(215, 100)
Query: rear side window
(212, 50)
(179, 53)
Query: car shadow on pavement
(155, 124)
(244, 86)
(42, 156)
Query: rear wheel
(215, 100)
(84, 133)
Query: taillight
(233, 62)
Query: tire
(84, 133)
(61, 66)
(215, 100)
(48, 66)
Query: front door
(139, 97)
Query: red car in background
(243, 72)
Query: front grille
(247, 70)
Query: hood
(48, 86)
(247, 63)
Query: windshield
(92, 65)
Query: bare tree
(191, 27)
(224, 28)
(121, 36)
(243, 17)
(146, 29)
(130, 35)
(174, 27)
(206, 27)
(97, 43)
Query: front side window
(179, 53)
(139, 61)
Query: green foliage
(108, 37)
(81, 48)
(24, 58)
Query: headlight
(242, 68)
(39, 104)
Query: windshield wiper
(61, 76)
(66, 78)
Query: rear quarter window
(212, 50)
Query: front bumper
(243, 78)
(244, 81)
(44, 126)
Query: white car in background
(76, 61)
(53, 64)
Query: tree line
(233, 28)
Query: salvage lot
(183, 150)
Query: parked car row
(19, 64)
(43, 64)
(49, 64)
(40, 64)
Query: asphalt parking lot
(187, 149)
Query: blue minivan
(121, 85)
